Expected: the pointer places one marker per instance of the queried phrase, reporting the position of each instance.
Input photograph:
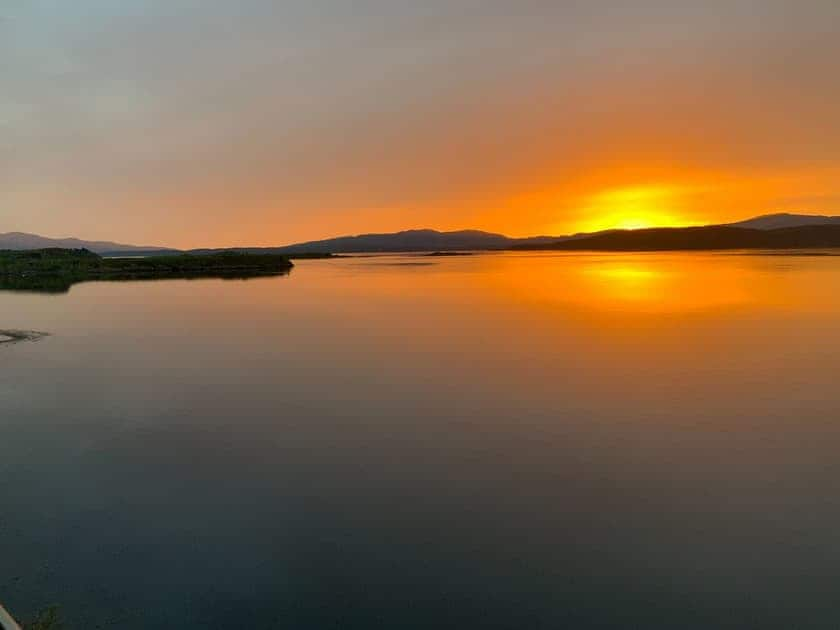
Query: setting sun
(633, 209)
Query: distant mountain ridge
(433, 240)
(405, 241)
(22, 241)
(427, 240)
(708, 237)
(786, 220)
(416, 240)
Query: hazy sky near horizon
(211, 122)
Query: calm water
(497, 441)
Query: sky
(264, 122)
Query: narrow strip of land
(55, 270)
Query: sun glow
(634, 209)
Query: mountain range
(22, 240)
(768, 231)
(407, 241)
(785, 220)
(707, 237)
(476, 240)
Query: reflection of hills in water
(61, 283)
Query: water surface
(493, 441)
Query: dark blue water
(646, 441)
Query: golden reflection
(610, 289)
(628, 282)
(638, 284)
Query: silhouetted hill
(785, 220)
(707, 237)
(22, 241)
(407, 241)
(410, 240)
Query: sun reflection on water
(646, 283)
(627, 282)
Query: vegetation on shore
(48, 619)
(72, 261)
(55, 270)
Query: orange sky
(218, 123)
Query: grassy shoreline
(55, 270)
